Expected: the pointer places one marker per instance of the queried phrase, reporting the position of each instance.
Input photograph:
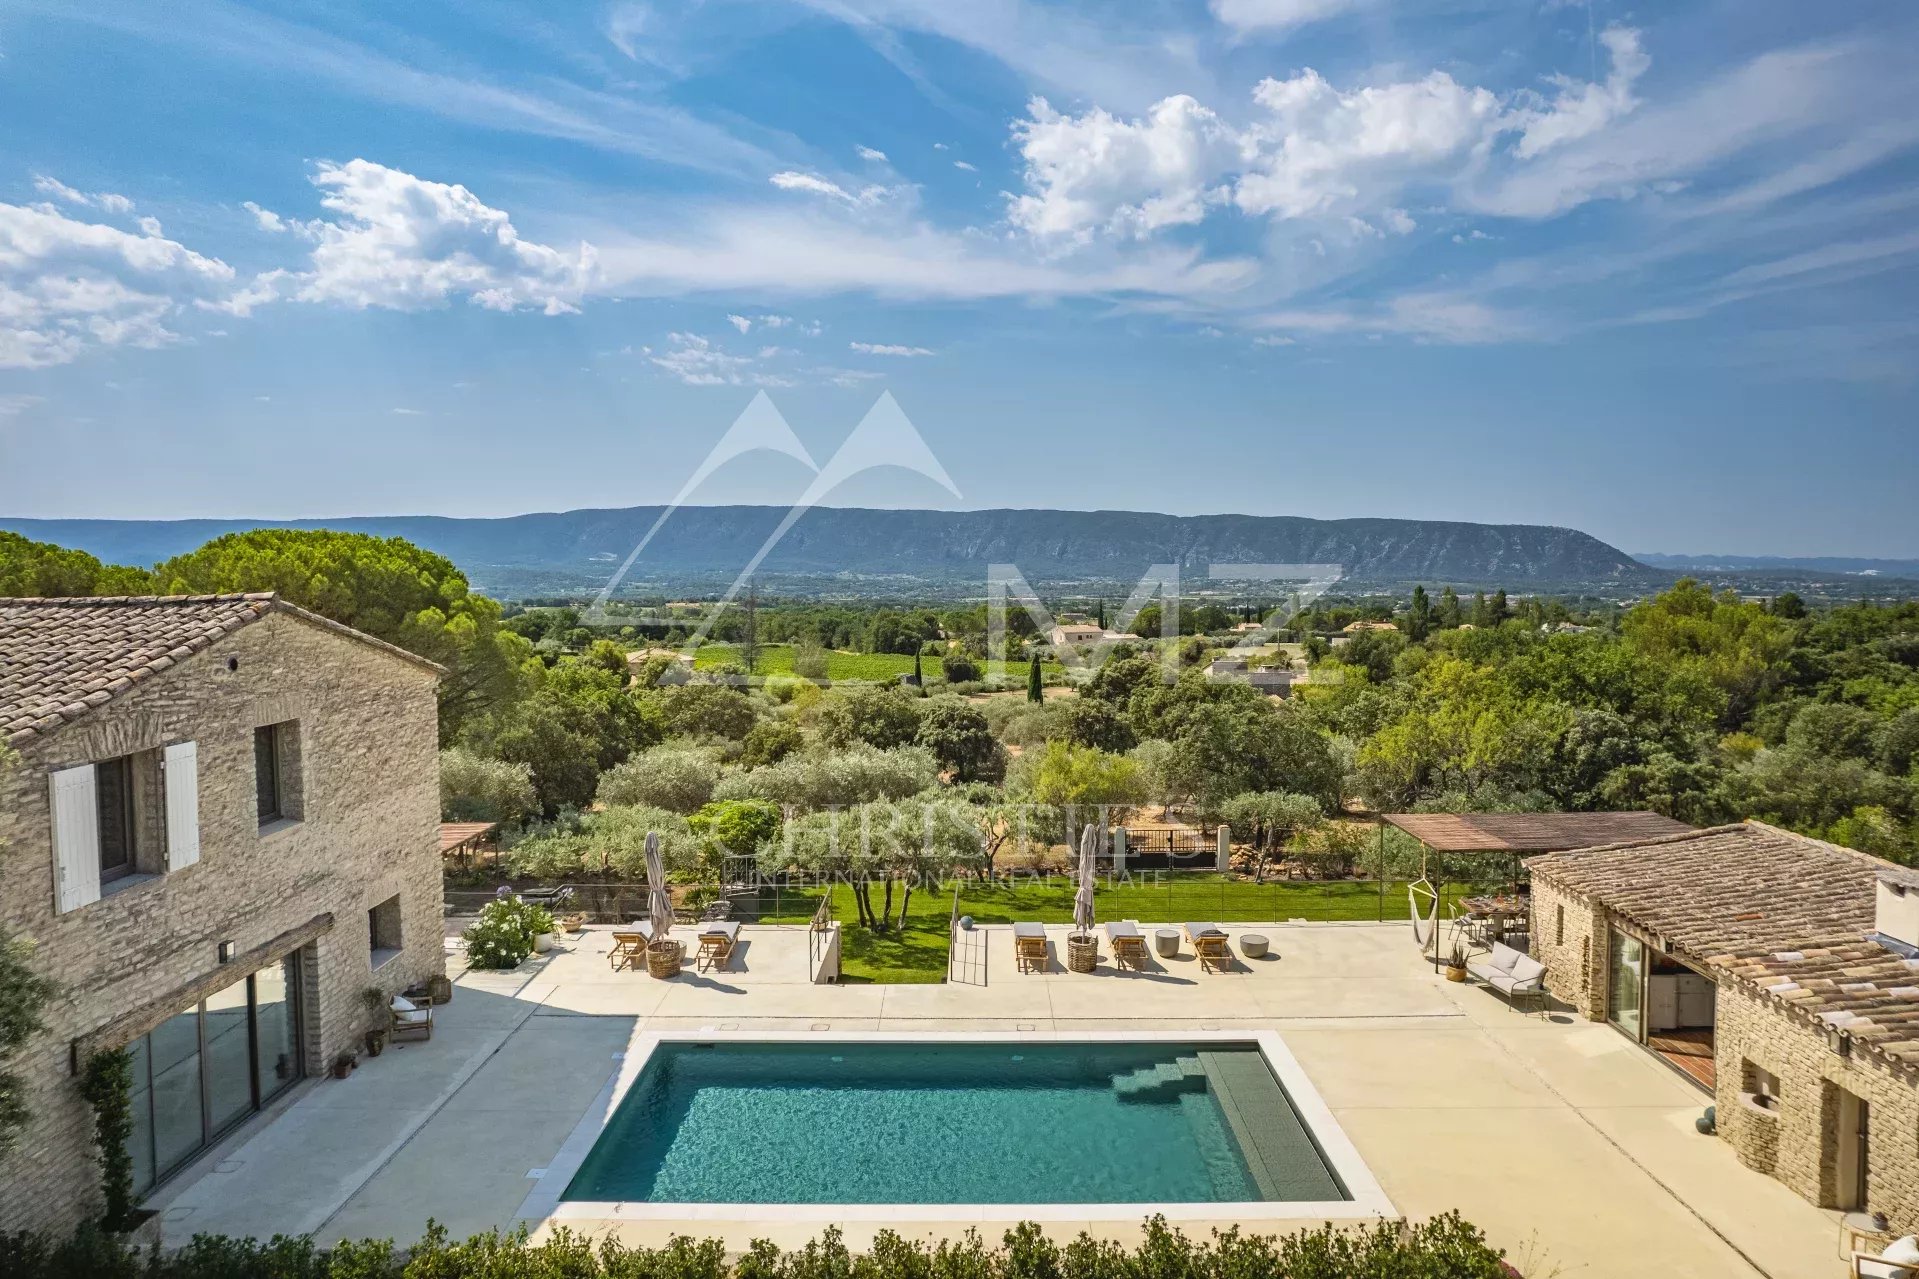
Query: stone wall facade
(362, 774)
(1569, 937)
(1801, 1139)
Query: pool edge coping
(1368, 1202)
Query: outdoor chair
(1129, 945)
(1029, 947)
(1512, 974)
(1213, 953)
(1900, 1260)
(629, 947)
(717, 941)
(411, 1018)
(1195, 931)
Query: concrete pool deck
(1571, 1147)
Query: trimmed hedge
(1444, 1248)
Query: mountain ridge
(580, 548)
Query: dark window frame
(269, 777)
(120, 815)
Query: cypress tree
(1420, 620)
(1033, 686)
(919, 679)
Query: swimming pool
(785, 1126)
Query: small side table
(1166, 942)
(1252, 945)
(1857, 1233)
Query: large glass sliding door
(1626, 983)
(203, 1070)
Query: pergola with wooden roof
(1522, 835)
(463, 839)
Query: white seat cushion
(1504, 957)
(1870, 1269)
(401, 1004)
(417, 1017)
(1528, 969)
(1904, 1250)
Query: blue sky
(1646, 272)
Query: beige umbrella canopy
(1083, 899)
(659, 902)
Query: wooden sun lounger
(1213, 952)
(717, 940)
(1029, 947)
(629, 948)
(1129, 945)
(1195, 931)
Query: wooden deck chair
(717, 943)
(1029, 947)
(412, 1018)
(629, 951)
(1213, 952)
(1129, 947)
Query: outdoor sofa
(1512, 974)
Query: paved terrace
(1571, 1147)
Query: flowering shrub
(503, 934)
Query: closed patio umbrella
(659, 902)
(1083, 899)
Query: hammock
(1427, 929)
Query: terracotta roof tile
(60, 658)
(1790, 917)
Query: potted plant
(538, 920)
(343, 1065)
(1456, 962)
(376, 1035)
(1082, 952)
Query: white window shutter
(183, 805)
(76, 838)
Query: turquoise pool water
(955, 1123)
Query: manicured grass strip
(777, 659)
(918, 952)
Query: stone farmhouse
(1778, 972)
(219, 830)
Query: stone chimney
(1895, 917)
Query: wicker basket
(663, 958)
(1082, 953)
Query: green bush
(503, 934)
(1444, 1248)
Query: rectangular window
(113, 795)
(266, 773)
(1762, 1084)
(383, 930)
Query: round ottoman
(1252, 945)
(1166, 942)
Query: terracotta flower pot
(663, 958)
(1082, 954)
(1455, 974)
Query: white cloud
(267, 219)
(970, 168)
(939, 146)
(1310, 150)
(739, 322)
(1582, 107)
(410, 412)
(814, 184)
(871, 153)
(1427, 317)
(1130, 177)
(402, 242)
(106, 201)
(696, 361)
(1276, 15)
(13, 405)
(887, 348)
(69, 286)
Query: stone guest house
(1780, 973)
(219, 830)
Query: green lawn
(918, 952)
(777, 659)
